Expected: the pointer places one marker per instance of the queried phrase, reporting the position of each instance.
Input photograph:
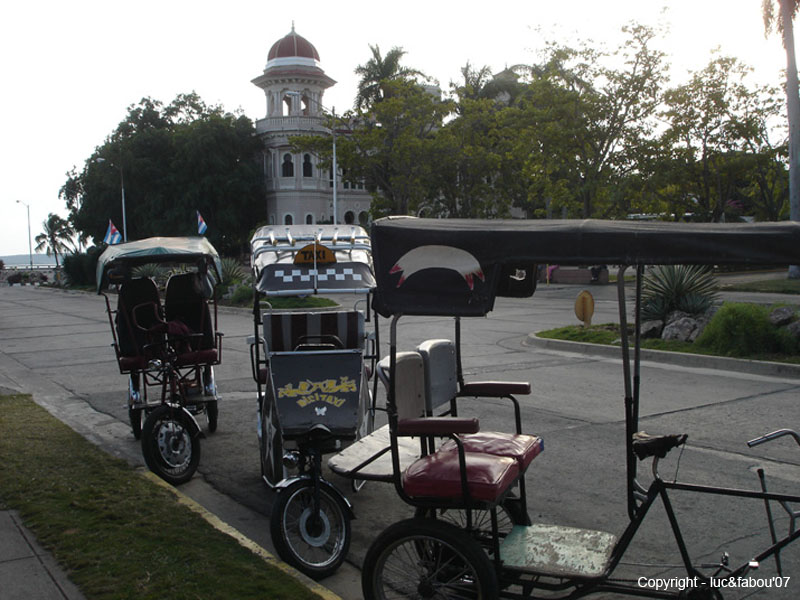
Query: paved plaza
(56, 345)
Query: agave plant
(152, 270)
(689, 288)
(232, 272)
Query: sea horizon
(24, 260)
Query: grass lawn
(608, 334)
(774, 286)
(117, 533)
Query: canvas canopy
(457, 267)
(312, 259)
(157, 250)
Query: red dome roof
(293, 45)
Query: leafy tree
(466, 159)
(378, 73)
(176, 159)
(56, 237)
(714, 119)
(783, 23)
(389, 147)
(581, 119)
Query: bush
(744, 330)
(242, 296)
(667, 288)
(80, 267)
(14, 278)
(2, 265)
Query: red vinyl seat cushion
(523, 448)
(438, 475)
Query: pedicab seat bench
(494, 460)
(138, 309)
(284, 332)
(438, 475)
(442, 389)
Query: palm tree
(377, 71)
(56, 236)
(782, 22)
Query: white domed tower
(297, 191)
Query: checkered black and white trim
(328, 274)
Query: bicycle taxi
(458, 268)
(312, 369)
(168, 347)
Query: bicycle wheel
(170, 444)
(272, 469)
(426, 558)
(509, 513)
(316, 545)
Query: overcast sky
(70, 70)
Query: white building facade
(297, 190)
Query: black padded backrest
(184, 301)
(284, 331)
(141, 296)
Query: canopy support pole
(632, 380)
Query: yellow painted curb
(243, 540)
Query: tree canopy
(582, 132)
(172, 161)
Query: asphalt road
(56, 345)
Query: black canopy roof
(458, 266)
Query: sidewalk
(28, 572)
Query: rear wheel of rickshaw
(316, 544)
(171, 444)
(271, 443)
(509, 513)
(427, 558)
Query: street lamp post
(30, 246)
(122, 193)
(335, 165)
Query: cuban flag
(113, 236)
(201, 224)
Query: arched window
(287, 220)
(363, 218)
(309, 219)
(349, 217)
(306, 165)
(286, 107)
(287, 168)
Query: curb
(683, 359)
(243, 540)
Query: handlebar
(774, 435)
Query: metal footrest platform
(558, 551)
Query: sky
(70, 70)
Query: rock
(652, 329)
(680, 329)
(782, 316)
(794, 329)
(677, 315)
